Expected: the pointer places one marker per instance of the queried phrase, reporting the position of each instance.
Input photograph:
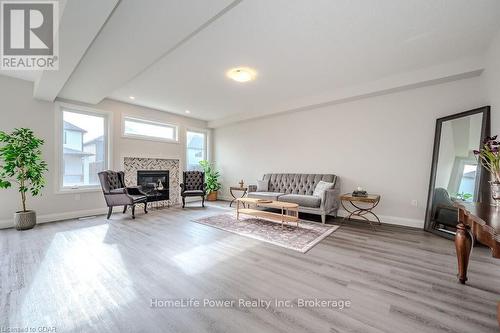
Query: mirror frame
(483, 189)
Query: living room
(249, 166)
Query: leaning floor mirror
(456, 174)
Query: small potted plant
(489, 157)
(211, 179)
(21, 163)
(463, 196)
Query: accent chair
(117, 194)
(193, 185)
(444, 210)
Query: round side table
(243, 191)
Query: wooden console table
(480, 222)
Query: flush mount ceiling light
(131, 97)
(241, 74)
(188, 112)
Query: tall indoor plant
(489, 157)
(211, 179)
(21, 163)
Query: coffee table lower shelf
(275, 217)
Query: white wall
(492, 82)
(383, 144)
(19, 109)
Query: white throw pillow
(263, 185)
(321, 187)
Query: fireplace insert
(155, 183)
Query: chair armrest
(450, 208)
(182, 186)
(135, 190)
(252, 188)
(121, 190)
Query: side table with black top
(157, 198)
(361, 206)
(243, 191)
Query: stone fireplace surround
(133, 164)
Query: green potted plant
(21, 163)
(211, 179)
(463, 196)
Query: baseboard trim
(223, 198)
(46, 218)
(396, 220)
(9, 223)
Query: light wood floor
(94, 276)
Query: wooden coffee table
(289, 211)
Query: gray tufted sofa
(299, 188)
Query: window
(144, 129)
(196, 143)
(84, 148)
(468, 181)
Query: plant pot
(495, 192)
(212, 196)
(25, 220)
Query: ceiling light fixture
(131, 97)
(187, 111)
(241, 74)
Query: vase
(212, 196)
(495, 192)
(25, 220)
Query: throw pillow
(263, 185)
(321, 187)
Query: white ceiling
(173, 55)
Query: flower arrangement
(489, 157)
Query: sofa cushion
(192, 193)
(302, 200)
(265, 195)
(321, 187)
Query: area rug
(300, 239)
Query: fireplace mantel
(133, 164)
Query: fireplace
(155, 183)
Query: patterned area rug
(300, 239)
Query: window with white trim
(196, 151)
(151, 130)
(83, 148)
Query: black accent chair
(117, 194)
(193, 185)
(444, 210)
